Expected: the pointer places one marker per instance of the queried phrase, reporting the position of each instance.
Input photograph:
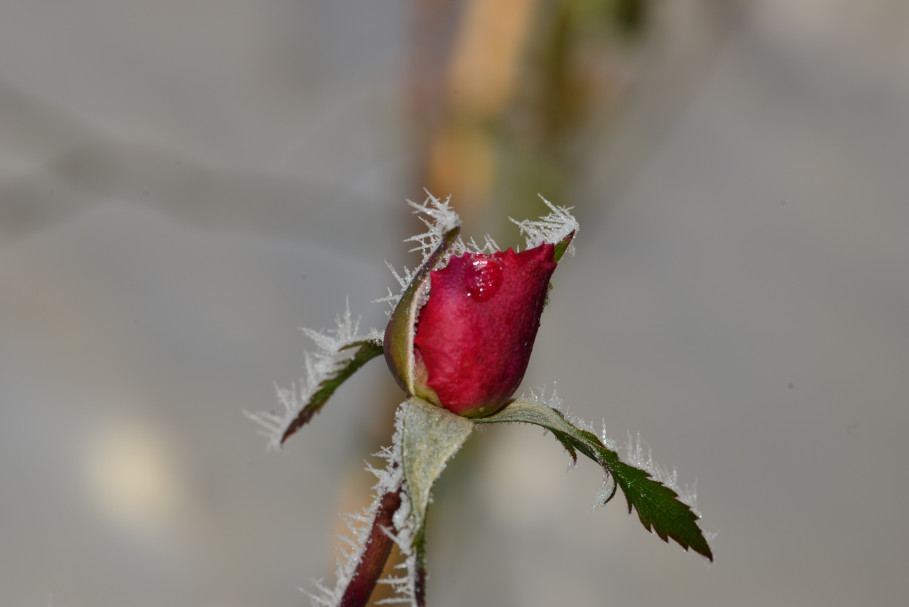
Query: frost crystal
(638, 454)
(319, 365)
(539, 396)
(438, 217)
(551, 399)
(389, 479)
(605, 492)
(551, 228)
(641, 456)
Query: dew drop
(482, 278)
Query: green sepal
(560, 247)
(401, 328)
(657, 505)
(366, 351)
(431, 436)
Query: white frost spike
(610, 444)
(539, 396)
(438, 217)
(641, 456)
(552, 228)
(319, 365)
(605, 492)
(554, 401)
(637, 453)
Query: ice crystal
(640, 455)
(438, 217)
(404, 580)
(543, 396)
(551, 399)
(550, 228)
(605, 492)
(319, 365)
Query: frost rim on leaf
(637, 453)
(329, 356)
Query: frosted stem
(375, 554)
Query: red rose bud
(475, 333)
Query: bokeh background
(182, 184)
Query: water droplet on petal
(482, 278)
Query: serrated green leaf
(566, 442)
(657, 505)
(366, 351)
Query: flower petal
(476, 332)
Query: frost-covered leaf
(339, 353)
(658, 506)
(366, 350)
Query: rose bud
(471, 342)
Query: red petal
(476, 332)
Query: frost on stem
(331, 355)
(390, 480)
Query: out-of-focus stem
(419, 590)
(378, 547)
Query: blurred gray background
(182, 184)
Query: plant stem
(375, 554)
(419, 590)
